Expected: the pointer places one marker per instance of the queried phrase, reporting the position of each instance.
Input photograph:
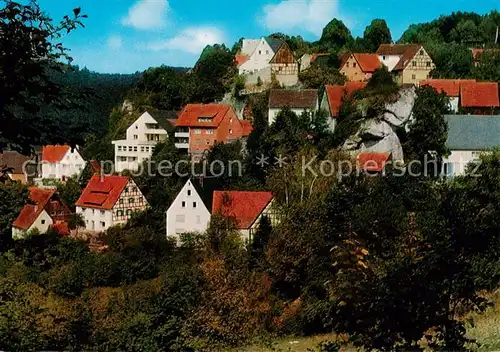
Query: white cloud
(192, 40)
(310, 15)
(147, 14)
(114, 42)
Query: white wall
(42, 223)
(95, 217)
(188, 218)
(139, 143)
(71, 164)
(457, 161)
(454, 104)
(331, 120)
(259, 59)
(390, 61)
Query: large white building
(468, 137)
(141, 138)
(188, 213)
(108, 201)
(60, 162)
(258, 53)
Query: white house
(468, 137)
(187, 213)
(108, 201)
(258, 53)
(296, 100)
(61, 162)
(141, 137)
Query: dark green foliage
(69, 191)
(335, 35)
(317, 76)
(257, 247)
(489, 67)
(451, 60)
(13, 197)
(375, 34)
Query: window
(123, 158)
(197, 131)
(103, 224)
(428, 64)
(134, 189)
(142, 149)
(189, 192)
(129, 212)
(230, 120)
(93, 211)
(204, 119)
(210, 131)
(414, 63)
(147, 149)
(421, 52)
(180, 218)
(129, 149)
(230, 131)
(183, 204)
(119, 213)
(413, 76)
(347, 64)
(135, 149)
(131, 200)
(126, 189)
(194, 204)
(136, 127)
(260, 52)
(43, 222)
(353, 64)
(102, 212)
(136, 136)
(119, 148)
(383, 57)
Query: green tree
(335, 35)
(318, 76)
(31, 49)
(14, 196)
(489, 67)
(257, 247)
(69, 191)
(76, 222)
(375, 34)
(451, 60)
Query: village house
(188, 213)
(20, 168)
(60, 162)
(308, 60)
(47, 209)
(479, 98)
(246, 208)
(297, 101)
(409, 63)
(200, 126)
(451, 87)
(359, 67)
(333, 98)
(141, 137)
(259, 59)
(108, 201)
(468, 137)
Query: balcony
(182, 134)
(182, 145)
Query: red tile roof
(479, 94)
(30, 212)
(477, 52)
(95, 167)
(54, 153)
(451, 87)
(61, 228)
(102, 192)
(247, 127)
(245, 207)
(373, 161)
(191, 114)
(241, 59)
(368, 62)
(315, 56)
(336, 94)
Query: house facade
(246, 208)
(451, 87)
(60, 162)
(284, 66)
(200, 126)
(258, 54)
(468, 137)
(108, 201)
(297, 101)
(141, 138)
(333, 98)
(188, 213)
(48, 209)
(359, 67)
(409, 63)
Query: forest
(385, 263)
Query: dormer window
(204, 119)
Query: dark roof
(300, 99)
(14, 161)
(394, 49)
(407, 56)
(274, 43)
(473, 132)
(166, 118)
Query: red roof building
(335, 94)
(372, 162)
(61, 162)
(54, 153)
(245, 207)
(241, 59)
(200, 126)
(47, 208)
(359, 67)
(109, 200)
(480, 97)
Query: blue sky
(124, 36)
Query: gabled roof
(479, 94)
(395, 49)
(407, 56)
(367, 62)
(61, 228)
(190, 115)
(14, 161)
(54, 153)
(451, 87)
(241, 59)
(274, 43)
(336, 93)
(31, 212)
(299, 99)
(374, 162)
(102, 192)
(165, 118)
(473, 132)
(244, 206)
